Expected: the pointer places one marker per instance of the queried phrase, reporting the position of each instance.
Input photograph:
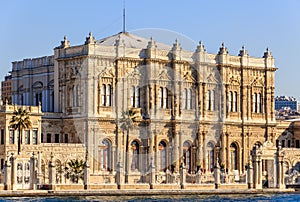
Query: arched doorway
(105, 155)
(233, 156)
(135, 156)
(162, 156)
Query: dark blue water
(247, 197)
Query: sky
(33, 28)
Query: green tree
(20, 121)
(127, 123)
(75, 169)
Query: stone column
(113, 160)
(39, 169)
(120, 175)
(257, 172)
(250, 174)
(217, 176)
(152, 174)
(51, 173)
(7, 176)
(32, 180)
(14, 172)
(182, 175)
(280, 171)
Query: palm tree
(127, 123)
(76, 169)
(20, 121)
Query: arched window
(162, 156)
(234, 156)
(185, 97)
(187, 155)
(135, 156)
(132, 96)
(105, 155)
(108, 95)
(103, 95)
(211, 155)
(160, 97)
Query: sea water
(186, 198)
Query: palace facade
(191, 109)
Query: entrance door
(23, 174)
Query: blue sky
(32, 28)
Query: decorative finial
(151, 43)
(223, 49)
(90, 39)
(176, 45)
(65, 43)
(243, 52)
(267, 54)
(200, 47)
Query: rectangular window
(27, 137)
(66, 138)
(48, 138)
(34, 136)
(289, 143)
(11, 137)
(42, 138)
(282, 143)
(56, 138)
(2, 136)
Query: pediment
(188, 77)
(107, 72)
(163, 75)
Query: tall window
(108, 95)
(105, 155)
(210, 100)
(135, 155)
(234, 104)
(27, 137)
(257, 103)
(103, 96)
(233, 154)
(187, 155)
(75, 95)
(11, 137)
(165, 98)
(160, 97)
(162, 156)
(134, 96)
(106, 91)
(34, 136)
